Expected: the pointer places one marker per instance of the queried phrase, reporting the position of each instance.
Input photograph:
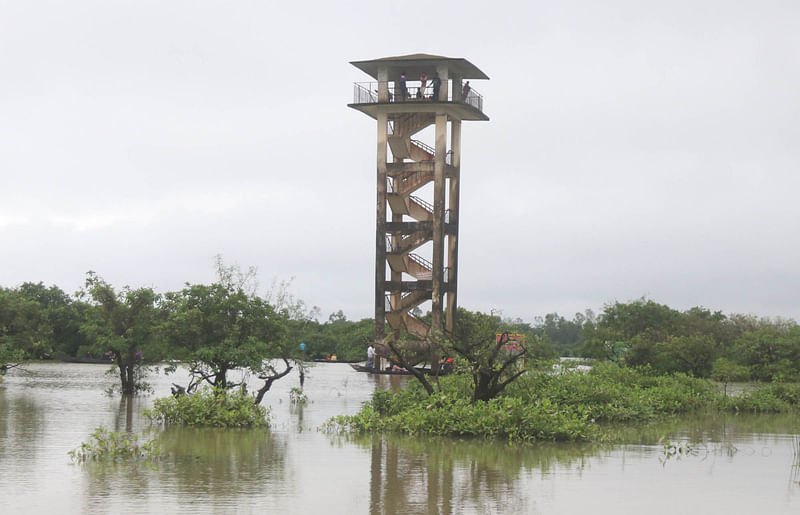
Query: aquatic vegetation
(105, 445)
(676, 450)
(567, 406)
(297, 397)
(769, 398)
(209, 407)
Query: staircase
(400, 189)
(400, 318)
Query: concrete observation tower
(419, 102)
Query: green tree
(225, 326)
(492, 366)
(726, 371)
(771, 350)
(24, 328)
(63, 314)
(9, 358)
(125, 324)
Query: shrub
(209, 407)
(109, 445)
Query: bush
(112, 446)
(770, 398)
(209, 407)
(538, 406)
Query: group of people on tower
(436, 84)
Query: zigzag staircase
(400, 246)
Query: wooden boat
(86, 359)
(424, 370)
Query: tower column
(380, 232)
(452, 237)
(438, 221)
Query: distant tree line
(226, 325)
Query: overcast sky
(635, 148)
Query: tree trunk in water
(126, 378)
(482, 390)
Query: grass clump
(105, 445)
(209, 407)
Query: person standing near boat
(371, 356)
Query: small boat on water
(105, 360)
(397, 372)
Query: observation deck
(406, 84)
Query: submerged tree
(492, 365)
(123, 324)
(225, 326)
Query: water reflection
(224, 461)
(22, 422)
(443, 476)
(710, 427)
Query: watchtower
(417, 97)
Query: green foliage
(491, 366)
(223, 326)
(348, 340)
(692, 341)
(209, 407)
(297, 397)
(23, 325)
(123, 323)
(504, 418)
(107, 445)
(567, 336)
(539, 406)
(770, 398)
(9, 357)
(771, 351)
(726, 371)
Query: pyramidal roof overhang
(415, 64)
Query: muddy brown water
(735, 464)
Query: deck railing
(367, 93)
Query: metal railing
(363, 95)
(411, 180)
(424, 203)
(367, 93)
(474, 99)
(424, 263)
(424, 146)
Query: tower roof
(415, 64)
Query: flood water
(737, 464)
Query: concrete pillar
(380, 231)
(457, 85)
(383, 84)
(443, 71)
(438, 220)
(452, 238)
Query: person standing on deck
(437, 83)
(403, 88)
(465, 92)
(370, 356)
